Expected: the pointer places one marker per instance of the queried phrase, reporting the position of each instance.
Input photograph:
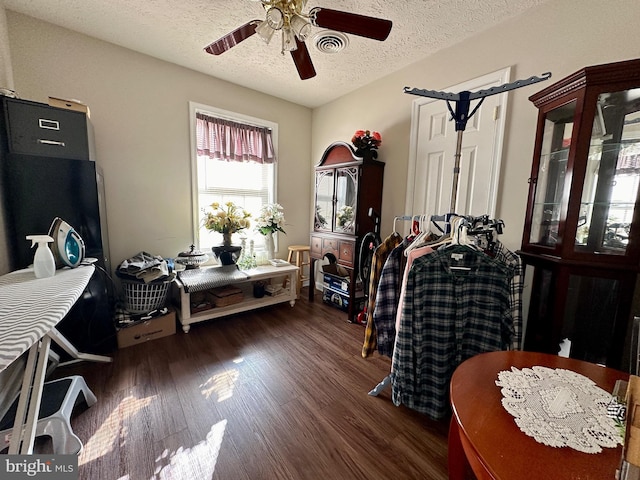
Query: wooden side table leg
(312, 279)
(299, 273)
(456, 456)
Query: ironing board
(30, 309)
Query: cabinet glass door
(324, 200)
(550, 181)
(346, 194)
(612, 178)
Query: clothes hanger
(446, 238)
(395, 219)
(459, 238)
(419, 238)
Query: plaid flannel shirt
(377, 263)
(515, 287)
(448, 316)
(387, 298)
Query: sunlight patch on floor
(195, 463)
(109, 432)
(220, 385)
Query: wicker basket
(144, 297)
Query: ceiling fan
(287, 17)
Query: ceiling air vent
(328, 41)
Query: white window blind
(248, 184)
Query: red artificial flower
(365, 139)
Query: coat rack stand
(461, 114)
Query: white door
(433, 147)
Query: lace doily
(559, 408)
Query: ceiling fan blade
(303, 62)
(369, 27)
(232, 39)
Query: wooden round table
(484, 435)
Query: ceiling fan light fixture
(288, 40)
(300, 27)
(265, 32)
(275, 18)
(295, 26)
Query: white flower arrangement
(345, 215)
(271, 219)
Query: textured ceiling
(177, 31)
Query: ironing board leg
(23, 435)
(71, 350)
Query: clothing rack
(461, 114)
(475, 226)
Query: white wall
(6, 81)
(139, 110)
(140, 113)
(560, 36)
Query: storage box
(340, 300)
(336, 283)
(223, 296)
(157, 327)
(74, 105)
(340, 283)
(199, 302)
(335, 269)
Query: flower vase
(226, 238)
(226, 253)
(367, 153)
(270, 246)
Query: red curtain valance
(235, 142)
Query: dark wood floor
(280, 393)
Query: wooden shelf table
(263, 273)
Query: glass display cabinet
(346, 187)
(336, 200)
(581, 239)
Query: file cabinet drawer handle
(51, 142)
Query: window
(246, 180)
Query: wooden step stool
(302, 258)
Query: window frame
(194, 108)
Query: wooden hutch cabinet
(346, 187)
(581, 238)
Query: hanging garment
(456, 305)
(377, 262)
(387, 299)
(416, 253)
(393, 285)
(516, 286)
